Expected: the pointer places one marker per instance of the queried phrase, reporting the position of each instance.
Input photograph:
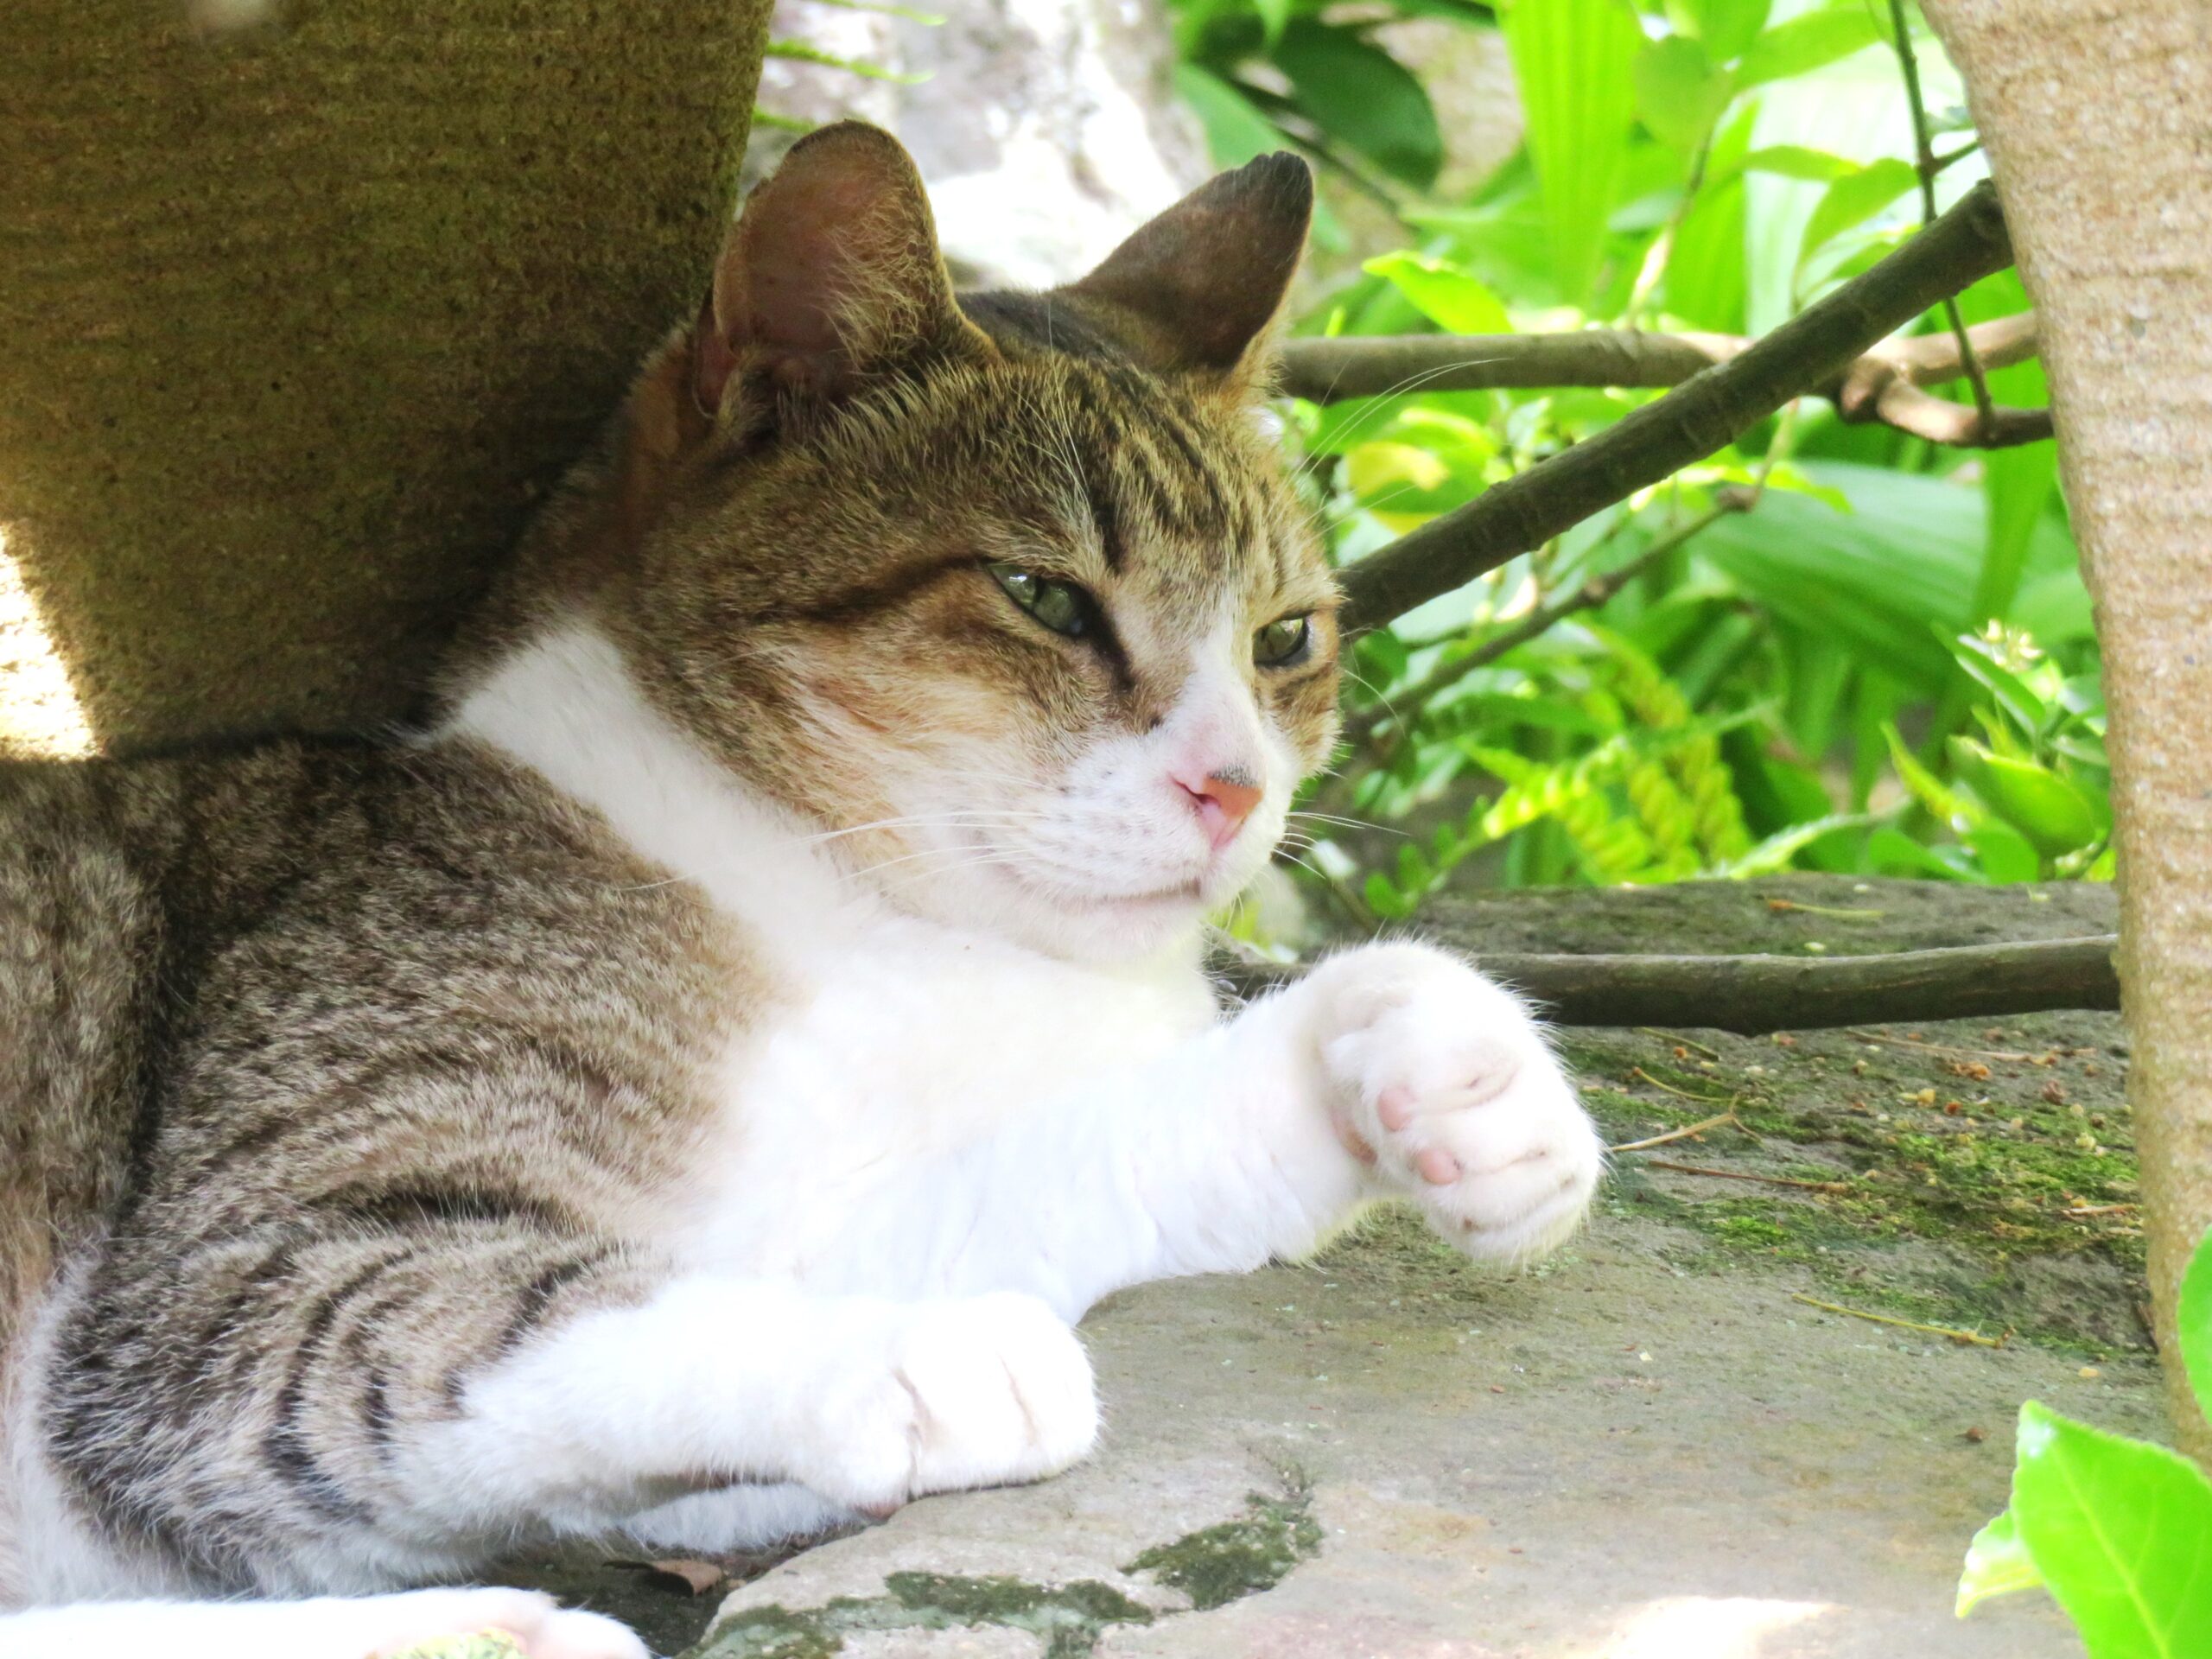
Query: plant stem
(1925, 164)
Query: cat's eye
(1060, 606)
(1282, 642)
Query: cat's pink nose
(1224, 799)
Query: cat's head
(1009, 591)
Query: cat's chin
(1104, 928)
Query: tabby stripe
(537, 1297)
(867, 598)
(285, 1448)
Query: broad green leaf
(1574, 63)
(1679, 93)
(2194, 1318)
(1807, 41)
(2121, 1532)
(2055, 816)
(1906, 556)
(1997, 1564)
(1704, 280)
(1854, 198)
(1236, 129)
(1274, 18)
(1799, 162)
(1363, 97)
(1726, 27)
(1446, 295)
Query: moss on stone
(1254, 1551)
(1213, 1566)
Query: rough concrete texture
(1646, 1448)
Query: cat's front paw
(1442, 1081)
(982, 1391)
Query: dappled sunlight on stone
(39, 711)
(1703, 1627)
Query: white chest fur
(895, 1040)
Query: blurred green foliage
(1884, 664)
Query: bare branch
(1331, 370)
(1753, 994)
(1699, 417)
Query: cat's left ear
(831, 275)
(1204, 281)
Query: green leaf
(2013, 695)
(1679, 93)
(2002, 853)
(2053, 815)
(1726, 27)
(1807, 41)
(1574, 61)
(1997, 1564)
(1234, 128)
(2121, 1532)
(1799, 162)
(1385, 900)
(1446, 295)
(1776, 852)
(1363, 97)
(2194, 1318)
(1854, 198)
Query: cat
(690, 1091)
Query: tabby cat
(690, 1092)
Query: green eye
(1060, 606)
(1281, 643)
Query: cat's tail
(364, 1627)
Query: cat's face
(1028, 620)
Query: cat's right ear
(831, 277)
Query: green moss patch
(1978, 1175)
(1213, 1566)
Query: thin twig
(1747, 1175)
(1939, 1048)
(1924, 165)
(1954, 1334)
(1822, 910)
(1709, 1100)
(1686, 1042)
(2083, 1211)
(1673, 1135)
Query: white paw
(981, 1391)
(1443, 1082)
(545, 1630)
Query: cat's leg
(365, 1627)
(1389, 1069)
(347, 1408)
